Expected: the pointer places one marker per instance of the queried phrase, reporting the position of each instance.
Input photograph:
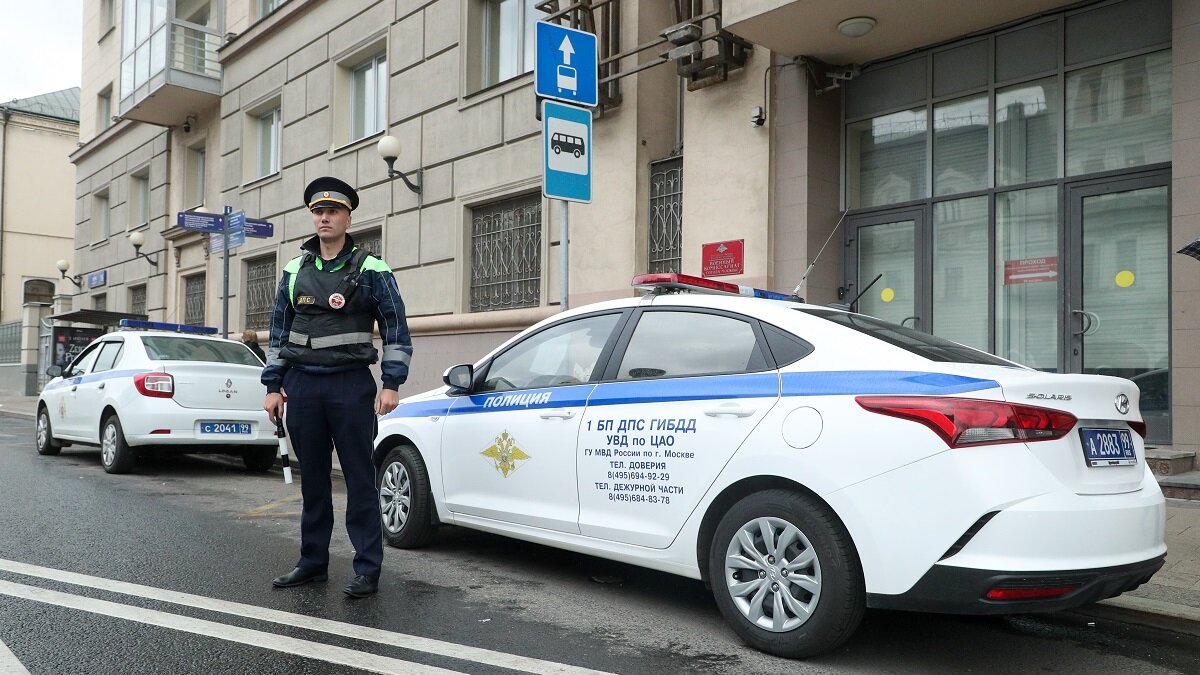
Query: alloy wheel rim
(772, 574)
(43, 431)
(395, 497)
(108, 445)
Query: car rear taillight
(1139, 427)
(962, 422)
(1028, 593)
(157, 385)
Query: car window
(785, 347)
(673, 344)
(109, 352)
(563, 354)
(83, 363)
(163, 348)
(922, 344)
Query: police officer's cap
(329, 191)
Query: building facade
(1015, 177)
(37, 134)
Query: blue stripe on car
(95, 377)
(754, 385)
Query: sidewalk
(1171, 600)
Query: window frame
(194, 176)
(101, 216)
(481, 18)
(139, 199)
(375, 84)
(268, 133)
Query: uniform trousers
(324, 411)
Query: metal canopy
(97, 317)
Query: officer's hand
(387, 401)
(274, 406)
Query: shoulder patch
(293, 265)
(374, 264)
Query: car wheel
(405, 502)
(786, 575)
(115, 454)
(259, 458)
(46, 445)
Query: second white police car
(807, 462)
(158, 386)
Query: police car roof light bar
(160, 325)
(684, 282)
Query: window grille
(665, 250)
(10, 342)
(137, 300)
(39, 291)
(193, 300)
(261, 283)
(506, 254)
(371, 241)
(100, 302)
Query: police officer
(329, 299)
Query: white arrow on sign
(1049, 274)
(567, 50)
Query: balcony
(171, 74)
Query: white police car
(158, 386)
(807, 462)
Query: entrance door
(885, 268)
(1117, 307)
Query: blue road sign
(200, 222)
(237, 229)
(566, 64)
(97, 279)
(259, 228)
(567, 152)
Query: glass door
(1117, 309)
(885, 267)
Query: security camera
(842, 72)
(758, 117)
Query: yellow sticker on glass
(1124, 279)
(887, 295)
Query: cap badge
(325, 194)
(337, 301)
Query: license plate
(1108, 447)
(238, 428)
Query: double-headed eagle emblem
(505, 454)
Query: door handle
(1089, 322)
(101, 385)
(74, 387)
(557, 414)
(915, 319)
(735, 411)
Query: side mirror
(54, 371)
(459, 378)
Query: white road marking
(9, 665)
(412, 642)
(255, 638)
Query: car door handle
(736, 411)
(74, 387)
(558, 414)
(101, 385)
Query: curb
(1146, 612)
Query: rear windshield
(193, 349)
(922, 344)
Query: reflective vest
(334, 321)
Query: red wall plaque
(722, 258)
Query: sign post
(566, 69)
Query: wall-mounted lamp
(389, 150)
(137, 239)
(63, 266)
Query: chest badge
(306, 300)
(337, 301)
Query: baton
(283, 450)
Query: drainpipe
(3, 162)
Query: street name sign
(566, 152)
(260, 229)
(198, 221)
(566, 64)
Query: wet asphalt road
(205, 527)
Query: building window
(100, 302)
(265, 7)
(194, 177)
(104, 109)
(368, 97)
(508, 38)
(267, 130)
(139, 199)
(665, 249)
(143, 43)
(100, 216)
(39, 291)
(261, 282)
(137, 300)
(106, 16)
(193, 300)
(371, 241)
(506, 254)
